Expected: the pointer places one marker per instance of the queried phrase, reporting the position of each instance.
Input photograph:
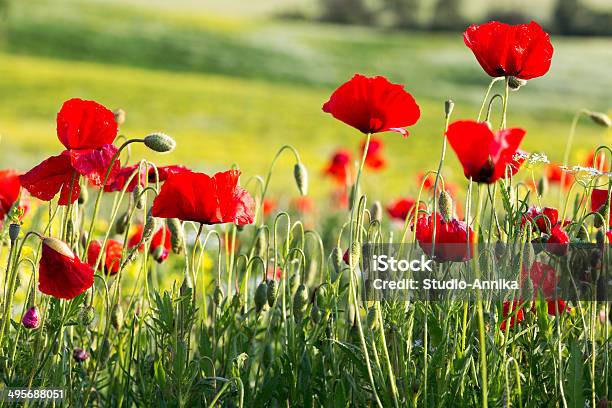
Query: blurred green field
(235, 89)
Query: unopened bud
(376, 211)
(149, 227)
(528, 256)
(500, 249)
(355, 254)
(449, 105)
(160, 142)
(30, 319)
(160, 254)
(261, 296)
(80, 355)
(601, 119)
(139, 198)
(294, 282)
(315, 314)
(261, 243)
(122, 223)
(301, 178)
(14, 230)
(86, 315)
(119, 116)
(300, 302)
(321, 297)
(117, 317)
(515, 83)
(272, 292)
(176, 234)
(445, 205)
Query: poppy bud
(515, 83)
(261, 296)
(103, 351)
(601, 119)
(176, 234)
(272, 292)
(355, 254)
(218, 295)
(160, 142)
(336, 256)
(449, 105)
(315, 314)
(528, 256)
(261, 243)
(376, 211)
(14, 230)
(86, 315)
(300, 302)
(119, 116)
(58, 246)
(138, 196)
(445, 205)
(268, 355)
(301, 178)
(80, 355)
(542, 186)
(321, 298)
(117, 317)
(294, 282)
(160, 254)
(30, 319)
(122, 223)
(149, 227)
(83, 239)
(83, 195)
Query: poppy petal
(49, 177)
(61, 272)
(83, 124)
(94, 163)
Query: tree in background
(565, 14)
(404, 12)
(345, 11)
(447, 15)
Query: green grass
(235, 90)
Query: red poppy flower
(554, 174)
(160, 246)
(544, 218)
(166, 171)
(373, 105)
(270, 275)
(451, 240)
(303, 204)
(600, 163)
(558, 242)
(375, 159)
(523, 51)
(429, 181)
(61, 272)
(9, 190)
(124, 174)
(339, 167)
(191, 196)
(83, 125)
(402, 208)
(543, 277)
(599, 198)
(508, 309)
(484, 154)
(111, 259)
(561, 306)
(268, 207)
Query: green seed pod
(300, 302)
(515, 83)
(261, 296)
(86, 315)
(83, 195)
(372, 319)
(122, 223)
(376, 211)
(268, 355)
(321, 297)
(160, 142)
(117, 317)
(139, 198)
(176, 234)
(355, 254)
(449, 105)
(315, 314)
(149, 227)
(14, 230)
(336, 256)
(542, 186)
(272, 292)
(600, 118)
(301, 178)
(218, 295)
(294, 282)
(528, 256)
(445, 205)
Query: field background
(232, 83)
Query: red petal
(85, 124)
(49, 177)
(61, 275)
(235, 203)
(94, 163)
(9, 190)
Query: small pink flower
(80, 355)
(31, 319)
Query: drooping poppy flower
(9, 191)
(87, 130)
(599, 198)
(544, 218)
(554, 174)
(523, 51)
(191, 196)
(161, 243)
(111, 259)
(600, 163)
(375, 159)
(558, 242)
(451, 239)
(511, 315)
(61, 273)
(339, 168)
(373, 105)
(485, 155)
(403, 208)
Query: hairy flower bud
(301, 178)
(272, 292)
(376, 211)
(176, 234)
(515, 83)
(121, 223)
(117, 317)
(355, 254)
(321, 297)
(86, 315)
(30, 319)
(445, 205)
(583, 233)
(149, 227)
(79, 355)
(336, 256)
(449, 105)
(119, 116)
(528, 256)
(261, 296)
(599, 237)
(14, 230)
(294, 282)
(300, 302)
(160, 142)
(315, 314)
(218, 295)
(601, 119)
(139, 198)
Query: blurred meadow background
(232, 81)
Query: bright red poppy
(561, 306)
(375, 159)
(87, 130)
(339, 168)
(543, 278)
(124, 174)
(599, 198)
(609, 236)
(402, 208)
(9, 190)
(268, 207)
(485, 155)
(600, 163)
(558, 242)
(111, 259)
(61, 273)
(544, 218)
(191, 196)
(373, 105)
(554, 174)
(523, 51)
(511, 309)
(451, 239)
(160, 246)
